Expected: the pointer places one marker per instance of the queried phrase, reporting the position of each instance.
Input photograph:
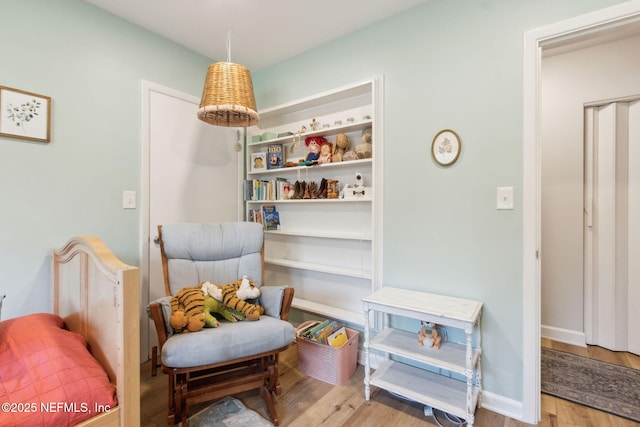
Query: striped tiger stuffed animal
(187, 310)
(233, 295)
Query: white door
(191, 173)
(634, 227)
(612, 225)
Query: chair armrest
(287, 299)
(158, 311)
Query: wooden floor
(307, 402)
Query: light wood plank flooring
(306, 402)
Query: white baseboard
(564, 335)
(501, 405)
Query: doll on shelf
(326, 150)
(313, 144)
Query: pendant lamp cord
(229, 46)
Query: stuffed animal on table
(233, 295)
(187, 310)
(364, 150)
(429, 330)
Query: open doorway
(585, 276)
(579, 28)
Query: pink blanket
(47, 375)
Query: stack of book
(267, 215)
(329, 332)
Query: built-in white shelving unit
(328, 249)
(424, 373)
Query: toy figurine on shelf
(429, 330)
(313, 144)
(332, 189)
(325, 153)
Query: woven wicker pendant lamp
(227, 97)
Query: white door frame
(534, 40)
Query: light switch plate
(504, 198)
(128, 199)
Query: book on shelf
(254, 215)
(270, 218)
(275, 156)
(274, 189)
(258, 161)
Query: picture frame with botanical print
(25, 115)
(446, 147)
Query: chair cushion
(271, 300)
(220, 253)
(229, 341)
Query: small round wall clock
(445, 147)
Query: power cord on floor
(432, 412)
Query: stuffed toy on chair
(233, 295)
(187, 310)
(214, 308)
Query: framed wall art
(25, 115)
(446, 147)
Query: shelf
(344, 164)
(427, 375)
(322, 235)
(328, 311)
(459, 312)
(344, 128)
(350, 272)
(428, 388)
(328, 97)
(308, 201)
(451, 356)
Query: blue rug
(228, 412)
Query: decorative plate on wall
(446, 147)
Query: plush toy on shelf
(429, 330)
(325, 153)
(313, 144)
(340, 146)
(364, 150)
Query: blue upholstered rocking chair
(235, 357)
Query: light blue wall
(91, 64)
(446, 64)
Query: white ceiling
(263, 32)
